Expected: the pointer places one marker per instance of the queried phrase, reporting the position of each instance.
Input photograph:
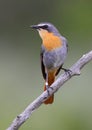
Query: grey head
(46, 26)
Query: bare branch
(75, 70)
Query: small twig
(75, 70)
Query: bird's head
(45, 29)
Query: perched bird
(53, 53)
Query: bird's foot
(67, 71)
(47, 88)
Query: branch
(75, 70)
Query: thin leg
(47, 86)
(67, 71)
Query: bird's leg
(67, 71)
(47, 86)
(46, 83)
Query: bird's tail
(50, 99)
(51, 79)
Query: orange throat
(50, 41)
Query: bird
(53, 53)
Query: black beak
(35, 26)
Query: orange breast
(50, 41)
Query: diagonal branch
(75, 70)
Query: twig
(75, 70)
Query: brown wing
(42, 66)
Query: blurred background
(20, 74)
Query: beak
(35, 26)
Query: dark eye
(44, 27)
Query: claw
(67, 71)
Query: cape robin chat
(53, 53)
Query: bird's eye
(44, 27)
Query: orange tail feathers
(50, 99)
(51, 78)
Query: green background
(20, 74)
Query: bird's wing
(42, 64)
(58, 70)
